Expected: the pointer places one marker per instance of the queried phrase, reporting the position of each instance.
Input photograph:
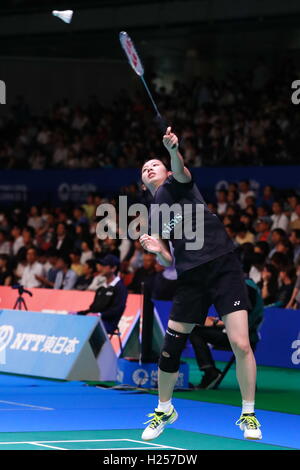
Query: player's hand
(170, 140)
(150, 244)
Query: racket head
(131, 53)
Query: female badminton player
(210, 275)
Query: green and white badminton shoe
(159, 420)
(250, 425)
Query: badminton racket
(136, 64)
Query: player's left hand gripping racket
(137, 66)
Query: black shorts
(219, 282)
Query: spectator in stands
(244, 192)
(144, 274)
(263, 229)
(35, 219)
(221, 201)
(62, 241)
(279, 260)
(287, 276)
(136, 260)
(4, 244)
(294, 301)
(33, 271)
(295, 240)
(165, 282)
(279, 218)
(231, 230)
(89, 270)
(6, 274)
(76, 265)
(50, 270)
(277, 236)
(17, 239)
(269, 284)
(257, 267)
(82, 234)
(86, 251)
(65, 278)
(244, 235)
(295, 224)
(98, 279)
(267, 198)
(262, 248)
(110, 299)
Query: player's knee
(174, 344)
(241, 346)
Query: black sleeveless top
(196, 234)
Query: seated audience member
(286, 247)
(33, 271)
(295, 224)
(221, 201)
(4, 244)
(295, 240)
(89, 270)
(65, 278)
(244, 192)
(110, 299)
(244, 235)
(76, 265)
(145, 274)
(86, 251)
(62, 240)
(255, 272)
(98, 279)
(136, 259)
(279, 219)
(263, 248)
(267, 198)
(287, 277)
(164, 283)
(50, 269)
(269, 284)
(231, 230)
(214, 333)
(6, 274)
(28, 235)
(279, 260)
(263, 229)
(294, 301)
(277, 235)
(17, 239)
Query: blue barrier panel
(280, 337)
(60, 186)
(46, 345)
(146, 374)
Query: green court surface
(277, 389)
(124, 440)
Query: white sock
(248, 406)
(164, 406)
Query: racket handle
(162, 124)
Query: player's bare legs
(165, 412)
(167, 380)
(236, 324)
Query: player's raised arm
(180, 172)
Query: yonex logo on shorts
(237, 302)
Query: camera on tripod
(20, 302)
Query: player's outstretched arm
(180, 172)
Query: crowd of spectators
(59, 248)
(245, 119)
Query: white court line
(44, 445)
(27, 405)
(153, 446)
